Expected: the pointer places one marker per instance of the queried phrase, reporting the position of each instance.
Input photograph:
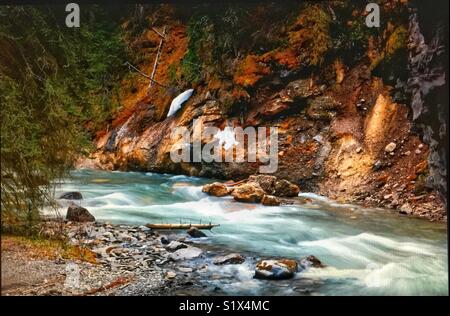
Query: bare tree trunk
(158, 54)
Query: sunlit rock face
(334, 119)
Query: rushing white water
(367, 251)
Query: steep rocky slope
(343, 97)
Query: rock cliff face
(346, 123)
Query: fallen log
(181, 226)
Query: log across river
(182, 226)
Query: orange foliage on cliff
(250, 71)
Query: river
(366, 251)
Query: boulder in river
(267, 183)
(76, 213)
(215, 189)
(248, 192)
(185, 254)
(232, 258)
(71, 196)
(280, 269)
(310, 262)
(270, 200)
(286, 189)
(194, 232)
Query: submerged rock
(76, 213)
(215, 189)
(71, 196)
(232, 258)
(194, 232)
(310, 262)
(270, 200)
(276, 269)
(248, 193)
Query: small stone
(387, 196)
(359, 150)
(175, 245)
(390, 147)
(407, 153)
(164, 240)
(405, 209)
(232, 258)
(418, 151)
(420, 146)
(171, 275)
(144, 228)
(185, 269)
(185, 254)
(377, 165)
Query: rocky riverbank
(128, 260)
(270, 191)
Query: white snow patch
(178, 101)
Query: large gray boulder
(249, 193)
(76, 213)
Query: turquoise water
(367, 251)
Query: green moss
(397, 41)
(316, 28)
(192, 62)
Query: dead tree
(158, 54)
(144, 74)
(151, 77)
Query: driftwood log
(181, 226)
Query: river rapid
(366, 251)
